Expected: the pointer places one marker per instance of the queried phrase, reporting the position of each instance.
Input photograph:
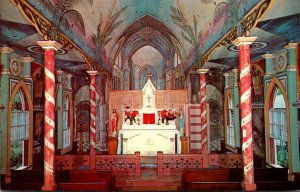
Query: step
(148, 183)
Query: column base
(112, 145)
(184, 149)
(49, 188)
(248, 187)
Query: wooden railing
(175, 164)
(120, 164)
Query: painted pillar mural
(4, 98)
(49, 124)
(246, 110)
(204, 139)
(92, 117)
(292, 98)
(236, 108)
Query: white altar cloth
(148, 139)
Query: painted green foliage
(189, 33)
(106, 27)
(63, 13)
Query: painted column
(169, 74)
(27, 67)
(126, 72)
(236, 108)
(92, 118)
(292, 98)
(4, 98)
(49, 115)
(59, 108)
(268, 65)
(204, 139)
(246, 110)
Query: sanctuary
(150, 121)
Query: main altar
(141, 126)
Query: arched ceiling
(100, 28)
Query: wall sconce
(2, 107)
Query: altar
(148, 139)
(143, 122)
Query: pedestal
(112, 145)
(184, 149)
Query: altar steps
(148, 181)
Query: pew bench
(211, 179)
(100, 180)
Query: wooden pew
(26, 180)
(211, 179)
(84, 180)
(272, 179)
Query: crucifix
(149, 75)
(148, 98)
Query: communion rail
(118, 164)
(175, 164)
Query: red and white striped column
(92, 118)
(203, 117)
(49, 115)
(246, 110)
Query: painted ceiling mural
(105, 29)
(97, 26)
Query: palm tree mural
(189, 33)
(63, 13)
(106, 27)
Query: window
(278, 131)
(19, 132)
(66, 124)
(230, 124)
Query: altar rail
(175, 164)
(119, 164)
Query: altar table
(148, 139)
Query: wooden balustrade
(175, 164)
(120, 164)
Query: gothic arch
(275, 82)
(228, 95)
(20, 86)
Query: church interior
(150, 95)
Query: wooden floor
(148, 181)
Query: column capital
(226, 74)
(49, 45)
(291, 46)
(59, 72)
(235, 70)
(268, 56)
(92, 72)
(69, 76)
(6, 49)
(244, 41)
(202, 71)
(28, 59)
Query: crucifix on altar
(149, 91)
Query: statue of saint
(114, 122)
(180, 122)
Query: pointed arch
(229, 95)
(28, 99)
(275, 82)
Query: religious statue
(127, 114)
(114, 122)
(180, 122)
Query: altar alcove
(144, 130)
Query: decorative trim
(50, 32)
(6, 50)
(247, 23)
